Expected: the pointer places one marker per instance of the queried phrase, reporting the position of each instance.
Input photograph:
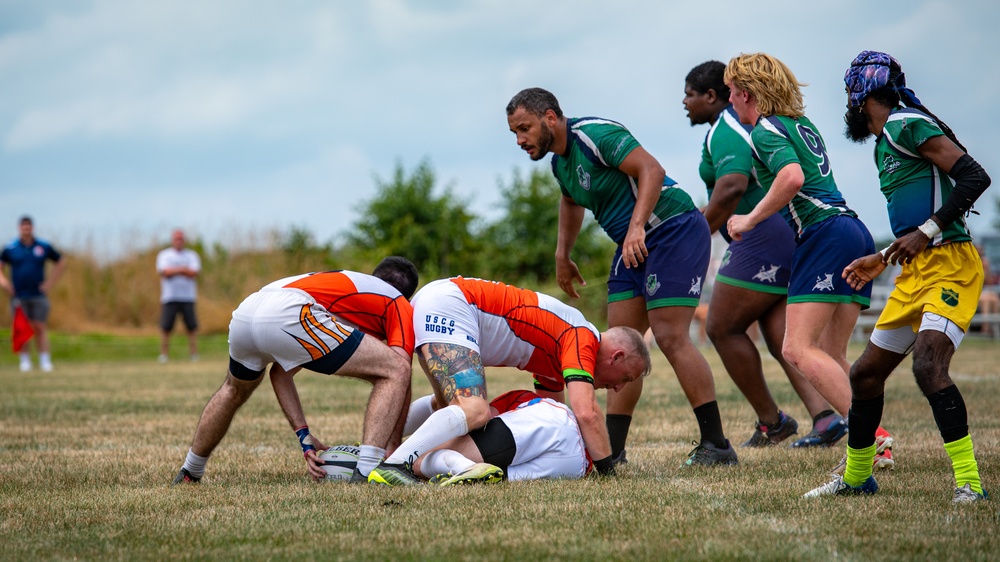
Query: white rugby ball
(339, 462)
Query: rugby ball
(339, 462)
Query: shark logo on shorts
(767, 275)
(725, 259)
(652, 285)
(824, 283)
(695, 286)
(583, 176)
(950, 297)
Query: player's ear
(618, 355)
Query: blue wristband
(305, 440)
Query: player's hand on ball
(314, 465)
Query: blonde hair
(769, 81)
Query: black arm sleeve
(971, 181)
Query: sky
(120, 120)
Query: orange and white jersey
(508, 326)
(366, 302)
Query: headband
(870, 71)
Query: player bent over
(330, 323)
(527, 438)
(922, 169)
(463, 325)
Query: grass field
(87, 453)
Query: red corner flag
(22, 331)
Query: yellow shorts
(946, 280)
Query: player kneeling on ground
(307, 322)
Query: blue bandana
(869, 71)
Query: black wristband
(605, 466)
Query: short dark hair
(535, 101)
(709, 76)
(398, 272)
(25, 219)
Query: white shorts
(900, 340)
(442, 315)
(548, 439)
(287, 327)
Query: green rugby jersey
(589, 175)
(727, 151)
(913, 186)
(779, 141)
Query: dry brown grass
(87, 452)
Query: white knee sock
(369, 457)
(420, 410)
(195, 464)
(443, 425)
(443, 462)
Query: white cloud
(250, 108)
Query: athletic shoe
(184, 477)
(764, 435)
(437, 479)
(46, 365)
(837, 487)
(357, 477)
(883, 456)
(620, 459)
(482, 472)
(883, 452)
(707, 454)
(825, 432)
(25, 365)
(966, 494)
(162, 358)
(393, 475)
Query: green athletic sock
(963, 462)
(859, 465)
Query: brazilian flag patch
(950, 297)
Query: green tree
(406, 218)
(521, 244)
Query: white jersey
(178, 288)
(549, 444)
